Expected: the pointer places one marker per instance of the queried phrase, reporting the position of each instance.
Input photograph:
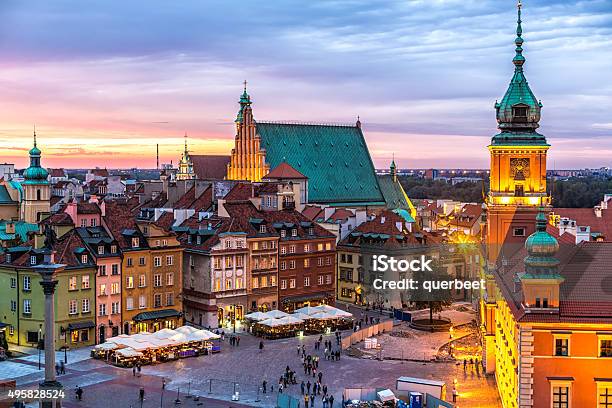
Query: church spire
(518, 59)
(245, 102)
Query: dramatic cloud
(120, 77)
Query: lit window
(306, 262)
(85, 282)
(135, 242)
(561, 345)
(291, 283)
(129, 282)
(72, 283)
(255, 283)
(114, 288)
(103, 289)
(604, 393)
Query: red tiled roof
(54, 200)
(57, 172)
(99, 172)
(204, 202)
(587, 217)
(88, 208)
(312, 212)
(210, 166)
(186, 199)
(284, 171)
(118, 218)
(240, 192)
(165, 221)
(59, 218)
(64, 248)
(341, 214)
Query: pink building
(108, 280)
(86, 214)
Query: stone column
(48, 283)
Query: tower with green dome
(518, 161)
(541, 279)
(36, 189)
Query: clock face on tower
(519, 168)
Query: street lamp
(48, 282)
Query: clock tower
(518, 163)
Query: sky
(105, 81)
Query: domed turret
(518, 113)
(541, 247)
(35, 174)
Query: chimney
(597, 210)
(103, 208)
(10, 227)
(382, 219)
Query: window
(115, 269)
(604, 394)
(102, 309)
(142, 302)
(135, 242)
(283, 265)
(13, 305)
(114, 288)
(283, 233)
(13, 283)
(157, 279)
(307, 263)
(83, 223)
(264, 245)
(84, 259)
(115, 307)
(142, 261)
(239, 261)
(519, 112)
(560, 396)
(157, 300)
(113, 249)
(157, 261)
(328, 260)
(85, 282)
(169, 299)
(605, 347)
(129, 282)
(262, 229)
(283, 249)
(294, 232)
(27, 283)
(72, 307)
(292, 249)
(103, 289)
(306, 280)
(518, 231)
(169, 279)
(27, 306)
(217, 263)
(292, 283)
(292, 264)
(157, 243)
(283, 284)
(142, 281)
(102, 270)
(319, 247)
(320, 261)
(100, 249)
(129, 303)
(255, 283)
(328, 246)
(264, 281)
(306, 248)
(239, 283)
(228, 284)
(130, 262)
(228, 262)
(328, 279)
(272, 280)
(85, 306)
(228, 244)
(320, 281)
(342, 258)
(169, 260)
(93, 222)
(217, 284)
(310, 231)
(72, 283)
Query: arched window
(38, 195)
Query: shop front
(156, 320)
(291, 303)
(231, 315)
(78, 334)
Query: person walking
(299, 349)
(139, 368)
(57, 369)
(141, 394)
(79, 393)
(264, 386)
(302, 386)
(320, 376)
(134, 371)
(306, 400)
(308, 385)
(455, 394)
(331, 401)
(261, 346)
(62, 367)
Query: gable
(334, 158)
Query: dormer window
(262, 229)
(519, 113)
(294, 232)
(189, 239)
(100, 250)
(283, 233)
(135, 242)
(113, 249)
(33, 260)
(84, 259)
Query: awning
(88, 324)
(157, 314)
(304, 298)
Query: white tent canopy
(129, 352)
(322, 316)
(308, 310)
(257, 316)
(334, 311)
(302, 316)
(290, 320)
(275, 314)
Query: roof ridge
(304, 123)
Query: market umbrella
(309, 310)
(109, 345)
(164, 333)
(271, 322)
(129, 352)
(257, 316)
(322, 316)
(334, 311)
(302, 316)
(275, 314)
(290, 320)
(186, 329)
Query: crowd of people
(312, 386)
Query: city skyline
(419, 74)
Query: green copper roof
(35, 174)
(519, 111)
(541, 247)
(393, 193)
(5, 197)
(21, 230)
(334, 158)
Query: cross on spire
(34, 135)
(185, 142)
(245, 85)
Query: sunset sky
(105, 81)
